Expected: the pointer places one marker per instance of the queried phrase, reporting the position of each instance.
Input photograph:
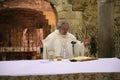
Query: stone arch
(55, 11)
(12, 17)
(15, 20)
(38, 5)
(21, 14)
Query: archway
(23, 24)
(14, 22)
(20, 17)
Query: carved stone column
(105, 28)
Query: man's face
(64, 29)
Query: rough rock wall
(116, 36)
(81, 15)
(83, 18)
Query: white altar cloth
(45, 67)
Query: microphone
(73, 42)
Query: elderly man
(60, 43)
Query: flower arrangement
(93, 47)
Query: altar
(100, 69)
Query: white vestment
(61, 45)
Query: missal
(82, 58)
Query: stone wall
(83, 18)
(116, 35)
(81, 15)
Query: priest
(62, 43)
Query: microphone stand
(73, 42)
